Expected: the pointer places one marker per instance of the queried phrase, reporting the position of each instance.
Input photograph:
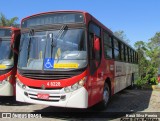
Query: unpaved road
(124, 101)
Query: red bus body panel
(12, 73)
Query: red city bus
(70, 59)
(9, 43)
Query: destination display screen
(5, 32)
(53, 18)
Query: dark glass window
(116, 45)
(134, 57)
(5, 32)
(116, 50)
(129, 55)
(122, 52)
(108, 46)
(126, 53)
(94, 29)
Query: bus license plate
(43, 96)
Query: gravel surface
(125, 101)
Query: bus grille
(4, 71)
(51, 76)
(45, 100)
(45, 88)
(52, 97)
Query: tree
(141, 48)
(8, 22)
(154, 53)
(121, 34)
(149, 59)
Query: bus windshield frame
(70, 38)
(6, 58)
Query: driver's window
(94, 31)
(95, 55)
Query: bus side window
(108, 46)
(94, 32)
(122, 52)
(129, 55)
(116, 50)
(126, 54)
(95, 55)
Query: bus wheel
(132, 82)
(106, 97)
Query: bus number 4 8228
(53, 84)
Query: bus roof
(85, 13)
(59, 11)
(62, 11)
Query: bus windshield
(53, 50)
(6, 54)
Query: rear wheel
(132, 82)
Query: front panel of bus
(6, 64)
(53, 60)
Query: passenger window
(126, 53)
(122, 52)
(116, 50)
(108, 46)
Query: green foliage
(139, 82)
(8, 22)
(154, 81)
(149, 60)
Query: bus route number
(53, 84)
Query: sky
(139, 19)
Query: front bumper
(75, 99)
(7, 89)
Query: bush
(140, 82)
(148, 79)
(154, 81)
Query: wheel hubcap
(106, 96)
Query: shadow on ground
(125, 102)
(10, 101)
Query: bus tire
(132, 82)
(106, 97)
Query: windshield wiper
(60, 34)
(31, 33)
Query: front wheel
(106, 97)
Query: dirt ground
(126, 101)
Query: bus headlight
(20, 84)
(75, 86)
(3, 82)
(82, 81)
(67, 89)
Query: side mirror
(96, 43)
